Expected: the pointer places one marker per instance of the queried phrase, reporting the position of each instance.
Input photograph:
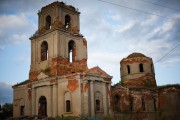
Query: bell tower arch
(58, 48)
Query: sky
(113, 31)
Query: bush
(108, 117)
(6, 111)
(65, 118)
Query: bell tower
(58, 48)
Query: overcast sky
(112, 32)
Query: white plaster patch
(41, 76)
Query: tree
(7, 111)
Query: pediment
(98, 71)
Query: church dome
(137, 70)
(133, 55)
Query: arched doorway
(42, 110)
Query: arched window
(42, 110)
(48, 22)
(98, 101)
(71, 51)
(117, 103)
(44, 51)
(67, 102)
(141, 69)
(143, 103)
(154, 100)
(128, 69)
(67, 21)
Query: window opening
(42, 110)
(67, 102)
(71, 54)
(116, 103)
(48, 22)
(22, 110)
(141, 69)
(152, 68)
(131, 104)
(128, 69)
(44, 51)
(154, 100)
(143, 104)
(67, 21)
(97, 105)
(68, 106)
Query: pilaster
(92, 98)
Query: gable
(98, 71)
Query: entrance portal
(42, 110)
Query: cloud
(150, 20)
(8, 6)
(171, 62)
(106, 57)
(11, 21)
(126, 26)
(150, 35)
(15, 29)
(5, 93)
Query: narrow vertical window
(71, 53)
(44, 51)
(131, 103)
(70, 56)
(22, 104)
(98, 101)
(128, 69)
(143, 103)
(152, 68)
(67, 21)
(22, 110)
(97, 105)
(154, 100)
(68, 106)
(48, 22)
(117, 103)
(141, 69)
(67, 101)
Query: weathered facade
(60, 82)
(137, 71)
(138, 97)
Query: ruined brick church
(60, 83)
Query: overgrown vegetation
(115, 85)
(108, 117)
(65, 118)
(169, 85)
(6, 111)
